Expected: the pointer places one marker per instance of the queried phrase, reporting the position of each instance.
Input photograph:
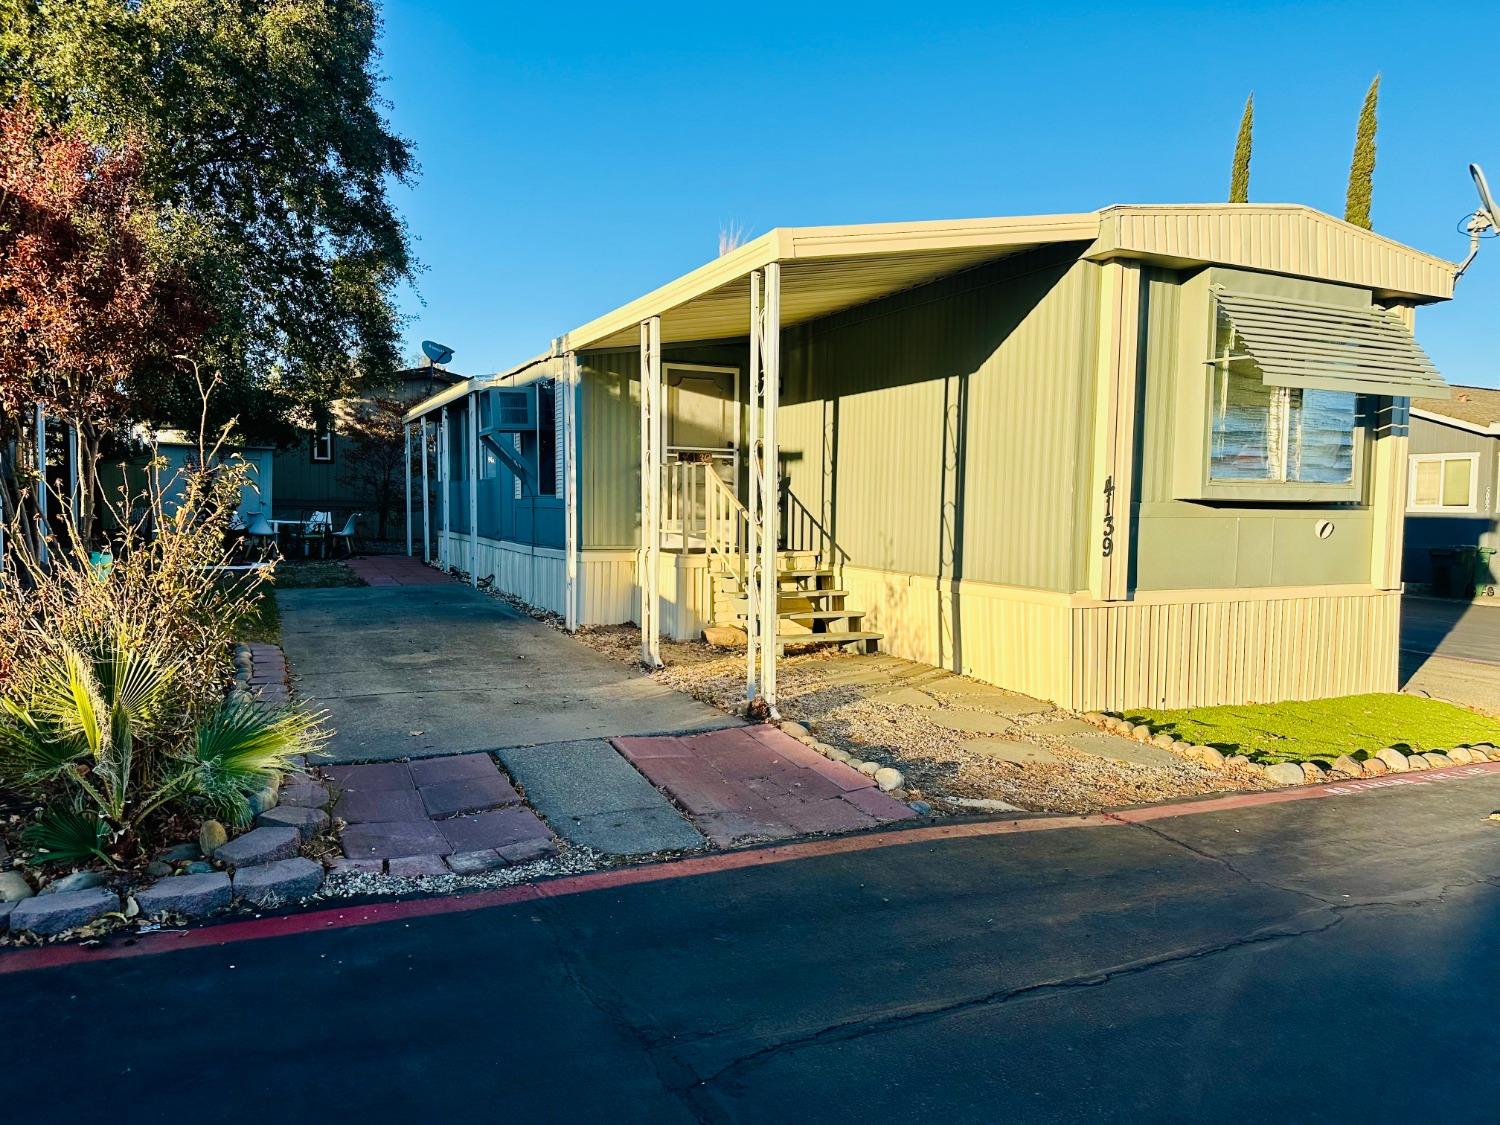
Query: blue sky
(575, 155)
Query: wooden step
(820, 614)
(863, 638)
(784, 596)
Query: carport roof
(827, 269)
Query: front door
(703, 423)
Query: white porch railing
(703, 513)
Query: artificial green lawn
(1324, 728)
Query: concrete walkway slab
(1081, 736)
(593, 797)
(418, 670)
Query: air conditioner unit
(508, 410)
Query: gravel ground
(933, 758)
(568, 861)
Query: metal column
(568, 386)
(426, 498)
(444, 558)
(473, 465)
(41, 485)
(648, 577)
(762, 584)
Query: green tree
(1239, 175)
(1362, 167)
(265, 139)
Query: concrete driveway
(417, 670)
(1451, 650)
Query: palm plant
(103, 733)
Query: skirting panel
(535, 575)
(607, 593)
(1259, 647)
(1014, 638)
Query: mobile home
(1144, 455)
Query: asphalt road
(1458, 630)
(1326, 959)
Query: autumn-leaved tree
(88, 298)
(262, 132)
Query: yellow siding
(1196, 649)
(941, 432)
(1017, 639)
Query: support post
(73, 448)
(406, 462)
(426, 498)
(648, 577)
(1114, 431)
(763, 584)
(569, 386)
(473, 465)
(41, 485)
(752, 465)
(444, 559)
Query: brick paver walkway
(756, 783)
(396, 570)
(268, 673)
(462, 808)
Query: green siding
(941, 431)
(609, 436)
(1183, 545)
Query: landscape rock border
(1354, 764)
(887, 778)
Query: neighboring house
(1453, 491)
(339, 468)
(1149, 455)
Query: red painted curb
(341, 917)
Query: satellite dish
(438, 353)
(1484, 222)
(1486, 200)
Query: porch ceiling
(824, 270)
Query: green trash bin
(1442, 570)
(1484, 570)
(1465, 564)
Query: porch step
(785, 598)
(822, 615)
(865, 639)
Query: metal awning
(1330, 347)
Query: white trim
(42, 529)
(567, 408)
(651, 473)
(322, 440)
(1440, 508)
(473, 466)
(426, 498)
(1492, 430)
(444, 468)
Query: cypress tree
(1239, 175)
(1362, 168)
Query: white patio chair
(347, 535)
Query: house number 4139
(1107, 544)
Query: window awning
(1330, 347)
